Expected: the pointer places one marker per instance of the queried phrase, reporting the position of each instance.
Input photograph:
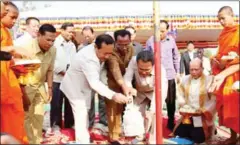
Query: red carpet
(100, 137)
(97, 136)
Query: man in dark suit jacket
(186, 57)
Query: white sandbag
(133, 121)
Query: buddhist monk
(3, 8)
(12, 114)
(226, 73)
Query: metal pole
(157, 58)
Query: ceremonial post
(157, 58)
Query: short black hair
(13, 5)
(190, 42)
(121, 33)
(103, 38)
(47, 28)
(31, 18)
(130, 27)
(88, 28)
(166, 22)
(146, 56)
(66, 24)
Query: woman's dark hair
(121, 33)
(103, 38)
(146, 56)
(47, 28)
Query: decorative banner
(140, 22)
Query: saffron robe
(227, 99)
(12, 113)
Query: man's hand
(218, 64)
(22, 53)
(120, 98)
(17, 52)
(62, 73)
(128, 91)
(49, 94)
(178, 78)
(214, 62)
(217, 82)
(133, 92)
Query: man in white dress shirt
(194, 92)
(82, 77)
(65, 50)
(32, 27)
(141, 67)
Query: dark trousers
(196, 134)
(102, 110)
(56, 108)
(171, 103)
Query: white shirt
(83, 76)
(191, 54)
(132, 70)
(23, 40)
(64, 52)
(194, 97)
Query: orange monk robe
(12, 113)
(228, 100)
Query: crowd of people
(117, 68)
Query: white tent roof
(129, 8)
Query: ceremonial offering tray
(187, 111)
(231, 55)
(25, 68)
